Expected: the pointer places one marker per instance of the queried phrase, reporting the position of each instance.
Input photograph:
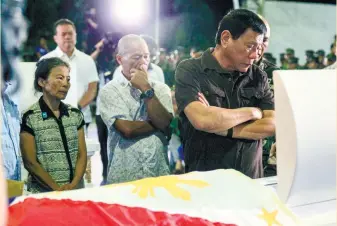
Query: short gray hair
(126, 42)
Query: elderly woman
(52, 134)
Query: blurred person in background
(320, 54)
(262, 62)
(313, 63)
(308, 54)
(195, 52)
(10, 134)
(162, 60)
(333, 57)
(83, 69)
(283, 61)
(290, 53)
(104, 55)
(293, 63)
(333, 48)
(166, 64)
(13, 35)
(42, 49)
(93, 29)
(176, 163)
(330, 59)
(138, 112)
(52, 133)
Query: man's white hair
(127, 42)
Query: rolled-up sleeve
(92, 74)
(112, 105)
(187, 85)
(267, 100)
(163, 94)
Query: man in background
(83, 73)
(261, 61)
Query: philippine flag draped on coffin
(220, 197)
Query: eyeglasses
(253, 48)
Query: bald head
(133, 53)
(129, 43)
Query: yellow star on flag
(270, 218)
(145, 187)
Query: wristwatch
(148, 94)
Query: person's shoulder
(269, 65)
(156, 67)
(31, 110)
(188, 67)
(110, 87)
(84, 56)
(118, 70)
(160, 86)
(49, 55)
(191, 62)
(73, 109)
(257, 72)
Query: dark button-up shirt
(268, 67)
(206, 151)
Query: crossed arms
(247, 122)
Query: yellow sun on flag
(270, 218)
(145, 187)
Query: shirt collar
(60, 53)
(47, 113)
(125, 82)
(208, 61)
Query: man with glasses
(224, 100)
(137, 113)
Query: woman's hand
(66, 187)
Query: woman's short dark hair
(43, 68)
(237, 22)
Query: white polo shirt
(82, 72)
(155, 74)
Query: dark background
(183, 22)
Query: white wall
(26, 95)
(300, 26)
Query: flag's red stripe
(49, 212)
